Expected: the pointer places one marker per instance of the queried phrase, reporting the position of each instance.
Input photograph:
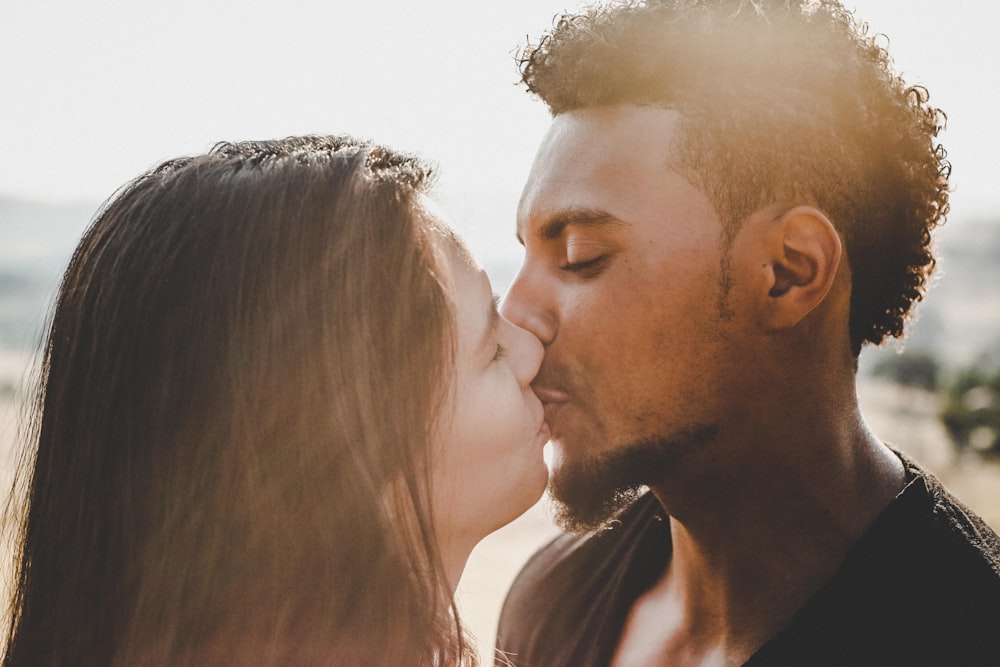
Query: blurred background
(96, 92)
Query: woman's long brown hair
(240, 380)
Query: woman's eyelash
(501, 353)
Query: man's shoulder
(933, 563)
(566, 565)
(956, 542)
(939, 561)
(922, 586)
(572, 596)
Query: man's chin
(579, 511)
(589, 493)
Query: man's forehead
(589, 151)
(608, 127)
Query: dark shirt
(921, 587)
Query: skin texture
(724, 369)
(628, 298)
(488, 467)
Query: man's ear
(804, 253)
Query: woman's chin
(527, 496)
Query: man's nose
(529, 305)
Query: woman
(277, 410)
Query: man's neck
(754, 539)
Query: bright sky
(94, 92)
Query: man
(734, 197)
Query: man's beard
(591, 492)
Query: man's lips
(553, 401)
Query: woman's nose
(528, 306)
(526, 352)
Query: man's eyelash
(582, 266)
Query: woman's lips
(548, 395)
(544, 433)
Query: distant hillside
(36, 241)
(960, 317)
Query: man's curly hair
(781, 101)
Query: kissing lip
(544, 432)
(549, 395)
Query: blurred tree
(971, 412)
(910, 369)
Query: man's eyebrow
(581, 217)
